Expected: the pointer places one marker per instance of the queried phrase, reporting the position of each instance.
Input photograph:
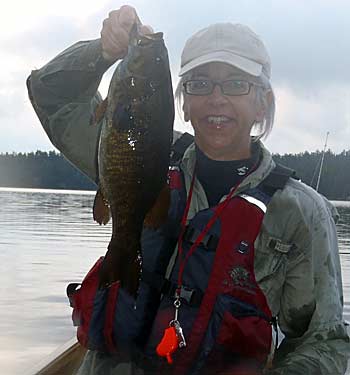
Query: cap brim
(242, 63)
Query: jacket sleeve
(311, 308)
(64, 96)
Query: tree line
(335, 175)
(40, 169)
(50, 170)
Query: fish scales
(134, 151)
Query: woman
(253, 244)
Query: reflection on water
(343, 226)
(343, 229)
(48, 239)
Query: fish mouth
(153, 36)
(146, 39)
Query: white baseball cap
(233, 44)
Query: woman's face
(222, 123)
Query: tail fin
(121, 263)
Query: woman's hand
(115, 32)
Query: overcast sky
(308, 41)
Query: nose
(217, 97)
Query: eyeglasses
(232, 87)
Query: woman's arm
(316, 339)
(64, 95)
(64, 91)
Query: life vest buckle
(186, 293)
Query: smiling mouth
(218, 121)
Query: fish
(133, 155)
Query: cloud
(44, 40)
(302, 121)
(308, 43)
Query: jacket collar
(188, 163)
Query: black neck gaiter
(218, 177)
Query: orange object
(168, 344)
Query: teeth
(217, 119)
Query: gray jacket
(297, 261)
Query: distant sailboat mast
(320, 171)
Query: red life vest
(232, 329)
(224, 314)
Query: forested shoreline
(335, 176)
(42, 170)
(50, 170)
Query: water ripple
(48, 239)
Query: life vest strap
(209, 242)
(193, 297)
(277, 179)
(179, 147)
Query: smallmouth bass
(133, 155)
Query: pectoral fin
(159, 212)
(100, 111)
(101, 212)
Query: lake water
(47, 240)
